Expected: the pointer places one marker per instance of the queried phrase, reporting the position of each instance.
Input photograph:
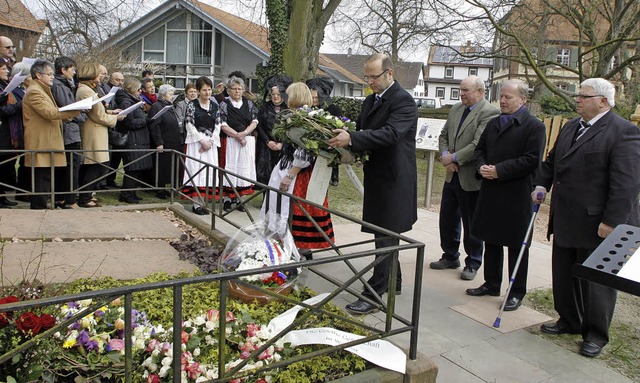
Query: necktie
(378, 101)
(464, 117)
(583, 129)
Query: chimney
(349, 52)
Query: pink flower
(153, 378)
(265, 355)
(153, 344)
(185, 337)
(116, 344)
(193, 370)
(252, 329)
(245, 354)
(213, 315)
(261, 380)
(166, 346)
(230, 316)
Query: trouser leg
(379, 281)
(493, 262)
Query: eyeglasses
(375, 77)
(583, 96)
(10, 47)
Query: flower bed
(93, 346)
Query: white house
(188, 39)
(446, 68)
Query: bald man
(7, 51)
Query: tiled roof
(254, 33)
(14, 14)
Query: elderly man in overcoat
(594, 173)
(43, 130)
(386, 128)
(507, 156)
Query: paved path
(455, 329)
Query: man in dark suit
(457, 142)
(507, 156)
(387, 130)
(595, 174)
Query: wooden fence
(553, 126)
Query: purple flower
(74, 326)
(92, 345)
(99, 313)
(82, 338)
(72, 305)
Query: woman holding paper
(135, 123)
(95, 137)
(165, 135)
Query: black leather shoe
(135, 196)
(557, 328)
(445, 264)
(361, 308)
(127, 200)
(483, 290)
(23, 198)
(590, 349)
(199, 210)
(512, 304)
(7, 202)
(226, 206)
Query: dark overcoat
(504, 206)
(135, 123)
(594, 180)
(388, 132)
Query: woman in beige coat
(95, 136)
(43, 131)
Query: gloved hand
(539, 194)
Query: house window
(455, 94)
(473, 71)
(178, 43)
(563, 56)
(218, 53)
(448, 72)
(201, 47)
(564, 87)
(440, 92)
(154, 46)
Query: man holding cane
(595, 175)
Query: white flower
(155, 352)
(199, 320)
(153, 367)
(166, 361)
(85, 302)
(196, 352)
(164, 371)
(209, 326)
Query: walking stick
(536, 207)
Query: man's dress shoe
(483, 290)
(590, 349)
(557, 328)
(512, 304)
(361, 308)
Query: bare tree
(601, 35)
(398, 27)
(77, 27)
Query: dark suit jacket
(463, 141)
(504, 206)
(388, 133)
(597, 179)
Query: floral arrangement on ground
(92, 347)
(310, 128)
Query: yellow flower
(69, 343)
(119, 324)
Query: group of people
(495, 167)
(496, 172)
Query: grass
(622, 354)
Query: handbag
(117, 139)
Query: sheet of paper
(631, 268)
(85, 104)
(319, 181)
(106, 98)
(28, 60)
(131, 108)
(161, 112)
(428, 133)
(15, 81)
(114, 90)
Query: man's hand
(539, 194)
(446, 159)
(489, 172)
(341, 139)
(604, 230)
(451, 168)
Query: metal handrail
(405, 324)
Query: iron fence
(394, 322)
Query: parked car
(428, 102)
